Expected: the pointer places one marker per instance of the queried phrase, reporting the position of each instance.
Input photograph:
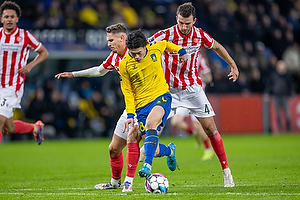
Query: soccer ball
(157, 183)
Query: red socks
(132, 158)
(206, 144)
(116, 163)
(23, 127)
(0, 136)
(217, 143)
(189, 130)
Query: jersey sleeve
(126, 88)
(107, 64)
(32, 42)
(207, 39)
(170, 47)
(159, 36)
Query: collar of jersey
(184, 36)
(11, 33)
(124, 53)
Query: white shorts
(193, 99)
(9, 100)
(120, 126)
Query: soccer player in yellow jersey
(146, 91)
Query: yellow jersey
(144, 81)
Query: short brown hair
(116, 28)
(9, 5)
(186, 10)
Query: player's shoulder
(126, 59)
(160, 35)
(22, 30)
(156, 44)
(200, 31)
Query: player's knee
(150, 124)
(210, 130)
(8, 130)
(134, 135)
(175, 122)
(133, 139)
(113, 151)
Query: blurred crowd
(256, 33)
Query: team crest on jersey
(196, 40)
(19, 38)
(154, 58)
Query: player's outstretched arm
(221, 51)
(90, 72)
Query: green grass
(263, 167)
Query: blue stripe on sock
(150, 145)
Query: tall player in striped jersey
(185, 84)
(116, 37)
(15, 44)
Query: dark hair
(136, 39)
(116, 28)
(9, 5)
(186, 10)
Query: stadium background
(256, 34)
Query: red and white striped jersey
(202, 64)
(14, 52)
(182, 75)
(113, 60)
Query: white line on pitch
(170, 194)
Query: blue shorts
(142, 113)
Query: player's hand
(65, 75)
(234, 74)
(127, 124)
(183, 59)
(26, 69)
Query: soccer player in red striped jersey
(116, 37)
(183, 114)
(15, 44)
(185, 84)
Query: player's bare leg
(11, 126)
(2, 122)
(210, 129)
(178, 122)
(201, 137)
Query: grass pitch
(263, 167)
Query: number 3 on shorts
(3, 102)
